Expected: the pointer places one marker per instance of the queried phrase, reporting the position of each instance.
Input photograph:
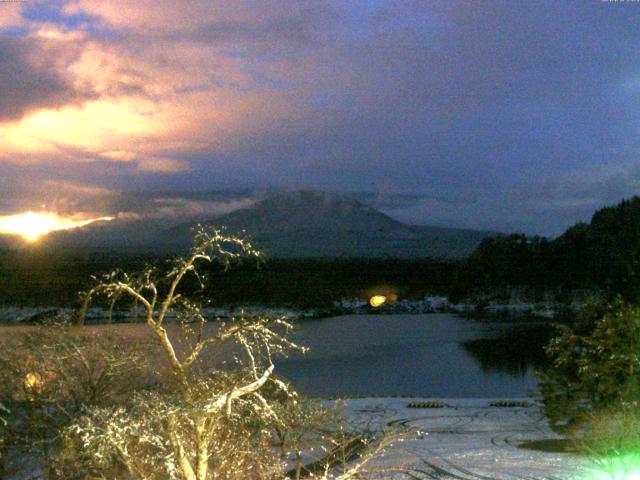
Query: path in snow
(470, 440)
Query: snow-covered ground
(470, 440)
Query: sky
(503, 115)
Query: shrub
(158, 433)
(595, 365)
(49, 374)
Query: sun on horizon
(31, 226)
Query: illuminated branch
(225, 400)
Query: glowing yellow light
(31, 226)
(33, 383)
(377, 300)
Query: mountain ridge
(285, 225)
(308, 224)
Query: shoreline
(17, 315)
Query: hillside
(603, 255)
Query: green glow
(618, 467)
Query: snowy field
(470, 440)
(467, 440)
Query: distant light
(31, 226)
(33, 383)
(377, 300)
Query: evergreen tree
(595, 365)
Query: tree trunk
(298, 464)
(202, 468)
(178, 449)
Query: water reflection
(434, 355)
(515, 349)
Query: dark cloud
(269, 34)
(31, 77)
(496, 114)
(482, 102)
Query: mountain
(285, 225)
(312, 224)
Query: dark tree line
(602, 256)
(39, 279)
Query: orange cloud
(95, 126)
(149, 97)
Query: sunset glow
(31, 225)
(97, 130)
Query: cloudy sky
(508, 115)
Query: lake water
(434, 355)
(416, 355)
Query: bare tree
(305, 425)
(222, 423)
(190, 419)
(65, 368)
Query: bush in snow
(595, 365)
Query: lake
(434, 355)
(428, 355)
